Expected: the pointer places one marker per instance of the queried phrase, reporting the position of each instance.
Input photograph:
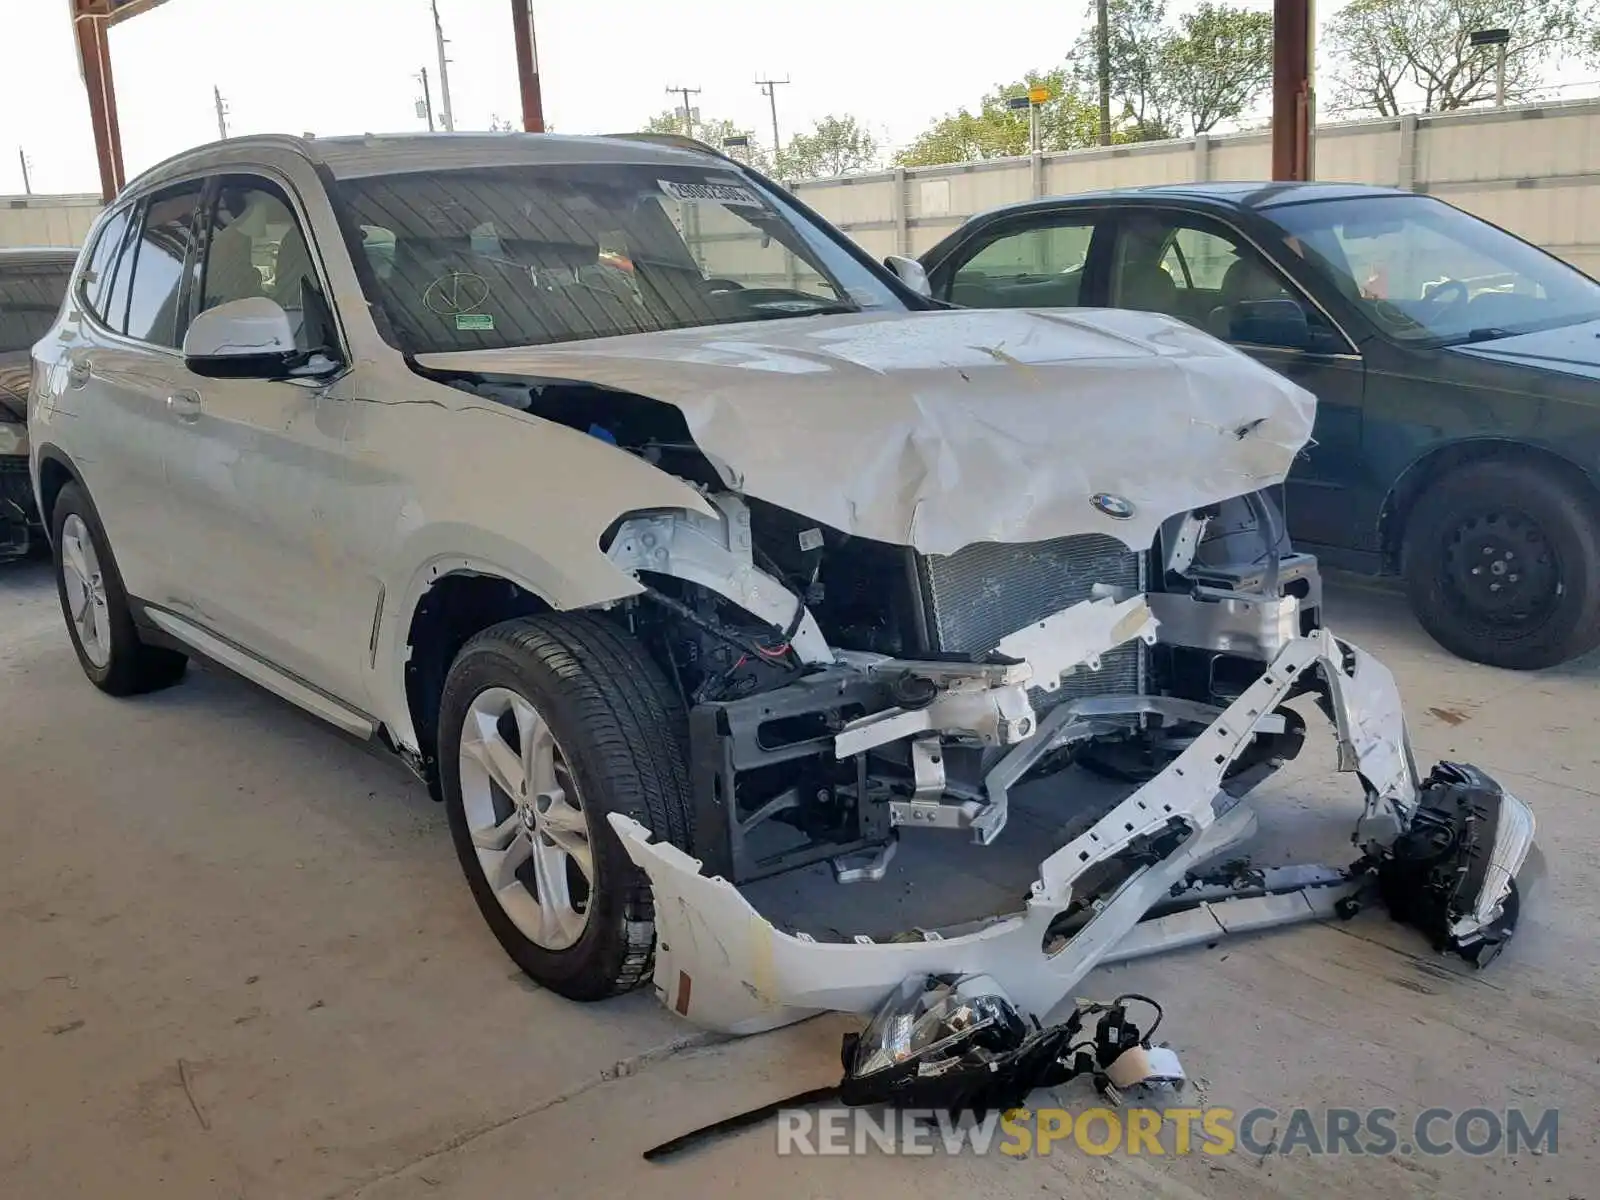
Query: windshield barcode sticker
(716, 193)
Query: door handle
(184, 405)
(78, 372)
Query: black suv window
(1189, 267)
(1041, 266)
(166, 239)
(30, 297)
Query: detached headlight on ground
(1452, 873)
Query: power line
(222, 112)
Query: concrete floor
(237, 959)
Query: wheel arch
(439, 607)
(56, 470)
(1440, 461)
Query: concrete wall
(1534, 169)
(46, 220)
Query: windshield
(30, 297)
(1426, 272)
(520, 256)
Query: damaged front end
(999, 666)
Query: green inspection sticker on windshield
(481, 321)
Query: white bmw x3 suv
(677, 544)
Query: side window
(166, 238)
(122, 274)
(1038, 267)
(1172, 264)
(256, 247)
(98, 275)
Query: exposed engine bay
(845, 692)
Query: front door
(257, 468)
(1195, 267)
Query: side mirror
(242, 339)
(1270, 323)
(909, 272)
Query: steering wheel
(1453, 288)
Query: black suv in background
(32, 283)
(1456, 369)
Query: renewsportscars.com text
(1173, 1131)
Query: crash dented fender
(722, 965)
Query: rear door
(115, 366)
(1203, 270)
(1038, 259)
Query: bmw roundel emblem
(1118, 508)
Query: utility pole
(769, 89)
(1293, 103)
(427, 98)
(444, 71)
(222, 113)
(1103, 53)
(688, 112)
(27, 184)
(528, 67)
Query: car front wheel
(1502, 565)
(546, 725)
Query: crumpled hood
(1571, 350)
(940, 429)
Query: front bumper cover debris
(721, 965)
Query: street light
(1030, 103)
(1499, 39)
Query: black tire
(623, 734)
(133, 667)
(1503, 526)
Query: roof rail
(681, 141)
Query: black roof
(38, 253)
(1259, 194)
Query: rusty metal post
(94, 56)
(528, 67)
(1292, 107)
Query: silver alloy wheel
(526, 819)
(86, 591)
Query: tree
(1218, 64)
(712, 132)
(835, 146)
(1141, 85)
(1066, 122)
(1395, 54)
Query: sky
(349, 66)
